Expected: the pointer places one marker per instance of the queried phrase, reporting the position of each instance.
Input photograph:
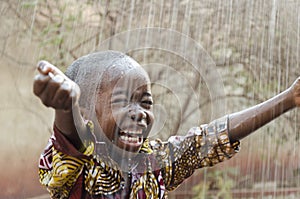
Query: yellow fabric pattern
(176, 159)
(148, 183)
(203, 146)
(64, 173)
(102, 178)
(146, 147)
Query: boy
(103, 115)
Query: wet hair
(87, 72)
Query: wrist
(290, 98)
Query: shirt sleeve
(203, 146)
(61, 164)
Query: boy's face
(124, 107)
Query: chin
(130, 147)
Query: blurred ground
(24, 124)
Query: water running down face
(124, 106)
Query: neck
(124, 159)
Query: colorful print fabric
(159, 167)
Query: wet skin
(124, 108)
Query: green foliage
(29, 4)
(217, 184)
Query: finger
(73, 97)
(40, 82)
(50, 90)
(46, 68)
(62, 94)
(58, 79)
(68, 104)
(60, 100)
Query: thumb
(46, 68)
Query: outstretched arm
(247, 121)
(59, 92)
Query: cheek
(151, 117)
(118, 114)
(105, 119)
(107, 125)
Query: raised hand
(59, 92)
(54, 88)
(295, 89)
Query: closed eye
(148, 102)
(119, 101)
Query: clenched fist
(54, 88)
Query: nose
(137, 114)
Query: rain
(205, 59)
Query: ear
(85, 113)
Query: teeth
(132, 136)
(137, 132)
(131, 139)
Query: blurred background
(255, 48)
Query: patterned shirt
(159, 167)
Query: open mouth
(134, 137)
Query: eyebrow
(124, 92)
(119, 92)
